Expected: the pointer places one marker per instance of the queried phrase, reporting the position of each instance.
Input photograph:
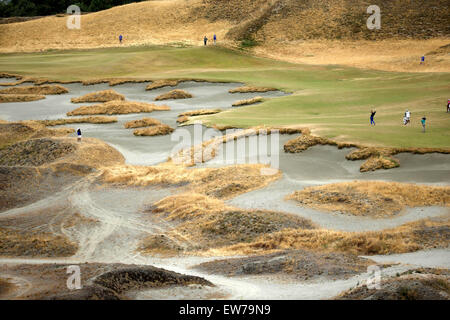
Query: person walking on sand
(372, 116)
(78, 134)
(423, 123)
(205, 40)
(215, 39)
(120, 38)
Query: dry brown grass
(371, 198)
(6, 98)
(248, 101)
(155, 130)
(380, 162)
(249, 89)
(199, 112)
(118, 107)
(203, 222)
(223, 183)
(144, 122)
(36, 90)
(97, 120)
(391, 55)
(99, 96)
(307, 140)
(33, 244)
(13, 132)
(57, 152)
(382, 157)
(162, 83)
(409, 237)
(174, 94)
(183, 117)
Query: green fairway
(333, 101)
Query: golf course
(333, 101)
(224, 150)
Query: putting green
(333, 101)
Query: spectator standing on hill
(422, 60)
(120, 39)
(423, 123)
(215, 38)
(372, 116)
(79, 134)
(205, 40)
(448, 105)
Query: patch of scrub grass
(333, 101)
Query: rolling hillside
(282, 29)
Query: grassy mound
(34, 244)
(99, 96)
(302, 264)
(249, 89)
(102, 281)
(419, 284)
(36, 90)
(144, 122)
(174, 94)
(307, 140)
(6, 98)
(13, 132)
(183, 117)
(223, 183)
(35, 152)
(97, 120)
(31, 144)
(118, 107)
(161, 84)
(247, 101)
(410, 237)
(203, 222)
(371, 198)
(156, 130)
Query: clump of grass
(204, 222)
(223, 183)
(33, 244)
(161, 84)
(144, 122)
(96, 120)
(99, 96)
(409, 237)
(156, 130)
(174, 94)
(247, 101)
(118, 107)
(7, 98)
(371, 198)
(183, 117)
(38, 90)
(307, 140)
(251, 89)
